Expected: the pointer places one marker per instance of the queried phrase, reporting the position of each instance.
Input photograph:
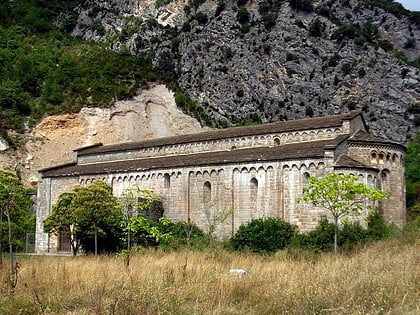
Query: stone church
(256, 171)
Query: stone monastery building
(258, 171)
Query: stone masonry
(258, 171)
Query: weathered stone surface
(278, 73)
(151, 114)
(258, 171)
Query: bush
(319, 239)
(316, 27)
(351, 235)
(266, 235)
(301, 5)
(377, 228)
(243, 16)
(183, 235)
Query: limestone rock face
(273, 61)
(151, 114)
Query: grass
(378, 279)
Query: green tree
(412, 176)
(62, 221)
(214, 218)
(412, 160)
(15, 206)
(341, 195)
(82, 211)
(137, 201)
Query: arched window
(253, 187)
(305, 178)
(207, 192)
(373, 158)
(166, 181)
(381, 158)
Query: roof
(314, 149)
(277, 127)
(345, 161)
(364, 137)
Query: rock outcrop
(151, 114)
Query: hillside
(226, 63)
(275, 60)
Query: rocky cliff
(274, 60)
(258, 60)
(151, 114)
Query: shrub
(316, 27)
(309, 111)
(351, 235)
(201, 18)
(377, 228)
(243, 16)
(221, 5)
(319, 239)
(266, 235)
(301, 5)
(182, 235)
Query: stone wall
(49, 189)
(248, 190)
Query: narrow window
(373, 158)
(207, 192)
(253, 185)
(166, 181)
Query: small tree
(214, 217)
(137, 201)
(83, 208)
(15, 205)
(341, 195)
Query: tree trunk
(96, 241)
(335, 235)
(12, 279)
(1, 238)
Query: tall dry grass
(380, 279)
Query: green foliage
(390, 6)
(183, 235)
(269, 11)
(366, 33)
(309, 111)
(412, 160)
(350, 235)
(377, 228)
(86, 215)
(340, 195)
(319, 239)
(243, 16)
(265, 235)
(165, 234)
(44, 72)
(201, 18)
(412, 176)
(16, 211)
(316, 27)
(301, 5)
(221, 5)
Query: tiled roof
(363, 136)
(314, 149)
(278, 127)
(346, 161)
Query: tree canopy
(16, 212)
(85, 212)
(341, 195)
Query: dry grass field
(378, 279)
